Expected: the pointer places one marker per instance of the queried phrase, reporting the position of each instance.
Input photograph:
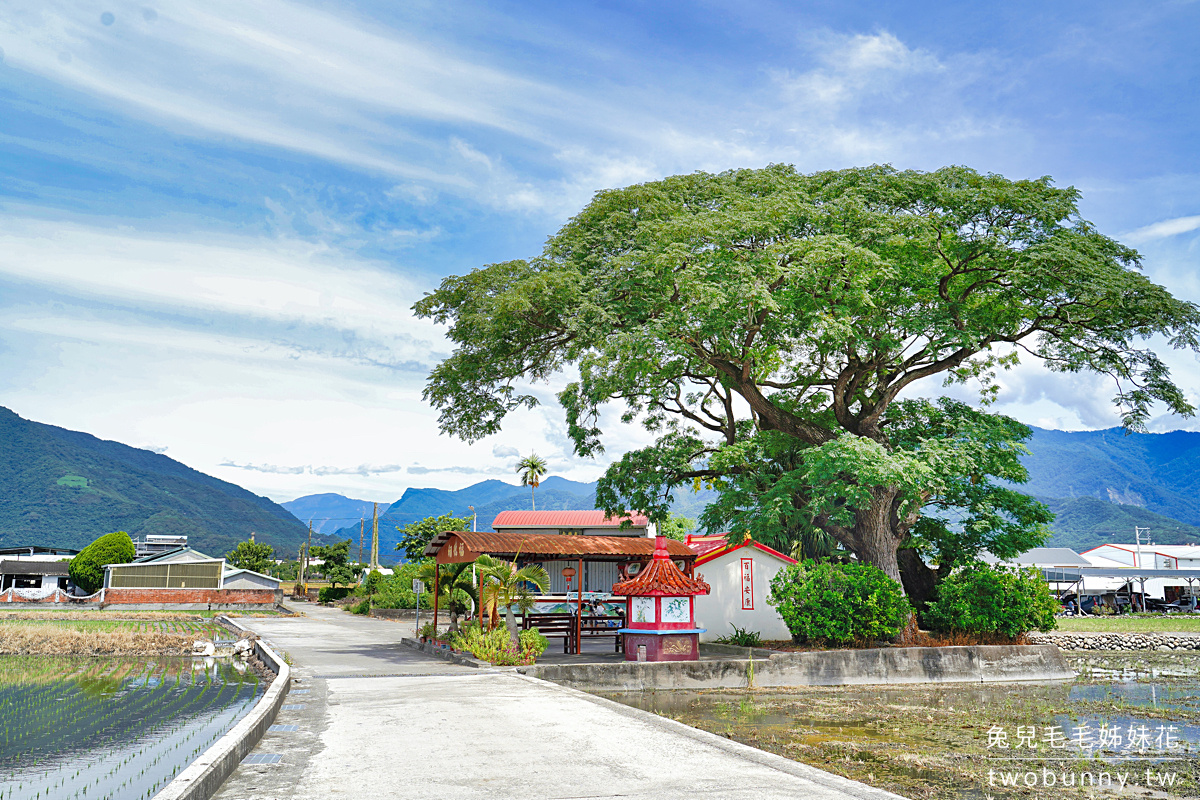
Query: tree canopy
(763, 324)
(415, 536)
(87, 567)
(531, 469)
(254, 556)
(336, 566)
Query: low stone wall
(883, 666)
(204, 777)
(1118, 641)
(436, 650)
(401, 614)
(201, 599)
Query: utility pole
(1137, 534)
(304, 563)
(375, 536)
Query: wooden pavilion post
(579, 613)
(437, 571)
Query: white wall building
(740, 577)
(1146, 556)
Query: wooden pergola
(459, 547)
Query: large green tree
(254, 556)
(87, 567)
(765, 323)
(336, 565)
(416, 536)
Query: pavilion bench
(553, 626)
(600, 626)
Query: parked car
(1075, 604)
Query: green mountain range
(65, 488)
(1100, 484)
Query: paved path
(380, 720)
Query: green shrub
(987, 601)
(839, 603)
(497, 645)
(361, 608)
(87, 568)
(533, 642)
(328, 594)
(429, 630)
(396, 591)
(741, 638)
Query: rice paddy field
(94, 635)
(1127, 726)
(121, 727)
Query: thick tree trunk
(918, 579)
(875, 543)
(879, 545)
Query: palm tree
(506, 585)
(531, 469)
(456, 587)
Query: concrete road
(379, 720)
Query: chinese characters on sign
(747, 584)
(1114, 738)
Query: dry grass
(63, 640)
(75, 616)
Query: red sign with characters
(747, 584)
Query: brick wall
(214, 596)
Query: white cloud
(505, 451)
(283, 74)
(1163, 229)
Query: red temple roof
(661, 577)
(712, 547)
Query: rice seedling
(110, 727)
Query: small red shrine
(660, 611)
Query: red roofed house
(740, 577)
(597, 576)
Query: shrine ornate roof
(661, 578)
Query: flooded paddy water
(112, 727)
(1128, 726)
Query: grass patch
(92, 637)
(1170, 623)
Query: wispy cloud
(459, 470)
(1163, 229)
(364, 470)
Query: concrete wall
(722, 609)
(204, 777)
(883, 666)
(250, 580)
(193, 597)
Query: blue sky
(216, 215)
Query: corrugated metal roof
(31, 567)
(174, 555)
(661, 578)
(532, 545)
(565, 519)
(1044, 557)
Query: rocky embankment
(1118, 641)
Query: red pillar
(437, 571)
(579, 613)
